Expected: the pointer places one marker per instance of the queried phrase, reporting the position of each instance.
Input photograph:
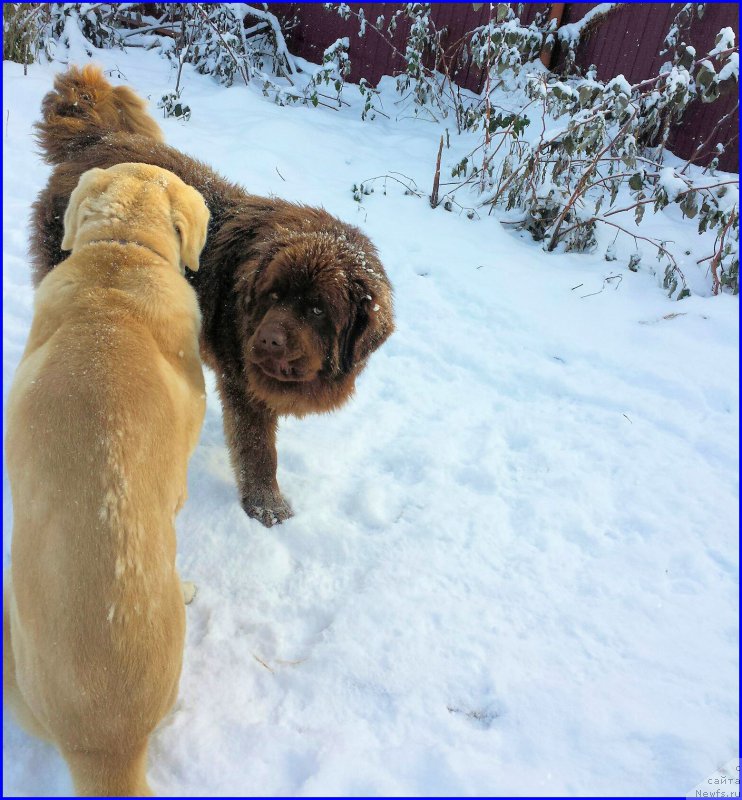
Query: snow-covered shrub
(233, 41)
(334, 70)
(219, 48)
(172, 106)
(427, 82)
(570, 35)
(615, 135)
(612, 136)
(225, 46)
(21, 32)
(370, 95)
(30, 29)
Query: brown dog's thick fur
(105, 409)
(85, 107)
(293, 300)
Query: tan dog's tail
(82, 108)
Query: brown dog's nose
(272, 338)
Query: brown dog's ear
(190, 217)
(369, 327)
(132, 115)
(91, 184)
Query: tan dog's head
(142, 204)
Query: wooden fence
(627, 41)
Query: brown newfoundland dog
(293, 300)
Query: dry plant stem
(184, 52)
(436, 177)
(550, 143)
(612, 177)
(445, 61)
(537, 151)
(487, 105)
(503, 133)
(487, 161)
(29, 16)
(664, 134)
(160, 28)
(454, 92)
(714, 266)
(262, 663)
(278, 38)
(409, 185)
(240, 66)
(701, 147)
(606, 281)
(679, 194)
(661, 248)
(386, 39)
(509, 130)
(650, 82)
(583, 181)
(493, 202)
(244, 45)
(327, 105)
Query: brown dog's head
(138, 203)
(315, 303)
(86, 100)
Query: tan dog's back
(104, 412)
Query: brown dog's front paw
(269, 510)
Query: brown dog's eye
(273, 296)
(317, 311)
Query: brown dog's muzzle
(270, 340)
(279, 353)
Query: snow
(730, 69)
(513, 567)
(677, 81)
(671, 183)
(240, 9)
(572, 31)
(619, 85)
(725, 40)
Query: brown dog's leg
(250, 428)
(48, 229)
(109, 774)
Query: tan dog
(105, 409)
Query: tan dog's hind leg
(109, 774)
(189, 591)
(11, 693)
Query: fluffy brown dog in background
(293, 300)
(105, 409)
(86, 107)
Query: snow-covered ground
(513, 567)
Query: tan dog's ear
(91, 184)
(190, 217)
